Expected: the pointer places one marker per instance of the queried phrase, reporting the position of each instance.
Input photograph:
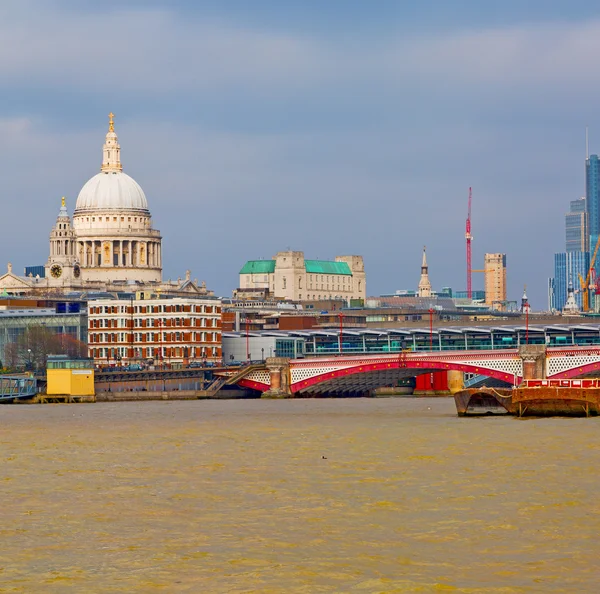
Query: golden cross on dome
(111, 122)
(63, 201)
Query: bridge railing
(17, 387)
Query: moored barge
(533, 397)
(543, 398)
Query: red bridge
(280, 377)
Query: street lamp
(341, 316)
(29, 356)
(262, 353)
(430, 310)
(247, 339)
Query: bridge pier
(534, 361)
(279, 370)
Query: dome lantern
(111, 189)
(111, 153)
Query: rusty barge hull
(484, 401)
(556, 401)
(540, 398)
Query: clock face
(76, 271)
(56, 271)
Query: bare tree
(37, 342)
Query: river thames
(365, 495)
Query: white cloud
(160, 52)
(146, 51)
(533, 56)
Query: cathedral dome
(111, 190)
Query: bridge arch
(420, 367)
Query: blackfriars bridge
(354, 375)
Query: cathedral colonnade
(119, 253)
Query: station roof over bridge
(410, 332)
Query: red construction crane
(468, 238)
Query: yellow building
(495, 280)
(73, 378)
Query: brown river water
(365, 495)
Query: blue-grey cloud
(250, 138)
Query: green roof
(258, 267)
(325, 267)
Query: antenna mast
(468, 238)
(587, 144)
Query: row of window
(154, 323)
(114, 353)
(154, 337)
(173, 308)
(325, 280)
(107, 219)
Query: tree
(32, 348)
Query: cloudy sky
(337, 127)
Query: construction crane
(468, 238)
(584, 284)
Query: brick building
(161, 331)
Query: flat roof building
(159, 331)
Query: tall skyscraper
(576, 226)
(494, 266)
(567, 268)
(551, 295)
(592, 194)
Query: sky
(338, 127)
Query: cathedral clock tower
(62, 267)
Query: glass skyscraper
(567, 268)
(582, 229)
(576, 226)
(592, 194)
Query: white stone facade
(424, 283)
(108, 245)
(111, 237)
(289, 276)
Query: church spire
(424, 284)
(111, 153)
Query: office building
(592, 193)
(495, 280)
(567, 268)
(155, 331)
(289, 276)
(576, 227)
(17, 317)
